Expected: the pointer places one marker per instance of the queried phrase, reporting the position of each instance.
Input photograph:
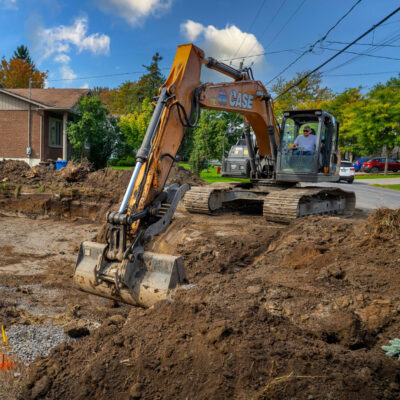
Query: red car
(378, 164)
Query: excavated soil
(72, 192)
(78, 175)
(272, 311)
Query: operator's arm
(296, 142)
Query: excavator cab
(308, 159)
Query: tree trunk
(385, 149)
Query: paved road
(371, 197)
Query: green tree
(309, 94)
(148, 84)
(208, 136)
(94, 133)
(129, 96)
(376, 118)
(22, 53)
(342, 107)
(134, 125)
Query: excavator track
(286, 205)
(205, 199)
(280, 204)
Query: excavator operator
(305, 143)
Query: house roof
(63, 99)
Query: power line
(251, 26)
(363, 44)
(261, 54)
(99, 76)
(362, 54)
(363, 73)
(387, 40)
(311, 48)
(269, 23)
(338, 53)
(287, 23)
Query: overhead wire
(250, 28)
(99, 76)
(393, 37)
(311, 48)
(365, 73)
(338, 53)
(362, 54)
(268, 25)
(287, 23)
(362, 44)
(262, 54)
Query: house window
(55, 132)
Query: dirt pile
(182, 175)
(296, 312)
(80, 175)
(384, 224)
(76, 172)
(13, 171)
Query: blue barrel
(61, 164)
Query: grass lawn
(393, 187)
(377, 176)
(209, 175)
(117, 167)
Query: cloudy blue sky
(82, 39)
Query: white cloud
(135, 11)
(60, 38)
(9, 4)
(191, 30)
(62, 58)
(67, 72)
(225, 44)
(85, 86)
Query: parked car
(359, 163)
(378, 164)
(347, 171)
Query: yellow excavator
(122, 269)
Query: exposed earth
(272, 311)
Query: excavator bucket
(150, 277)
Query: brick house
(33, 125)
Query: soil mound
(80, 175)
(76, 172)
(182, 175)
(12, 170)
(296, 312)
(384, 224)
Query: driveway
(371, 197)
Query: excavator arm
(122, 269)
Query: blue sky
(73, 39)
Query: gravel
(31, 341)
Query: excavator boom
(122, 269)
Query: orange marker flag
(4, 334)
